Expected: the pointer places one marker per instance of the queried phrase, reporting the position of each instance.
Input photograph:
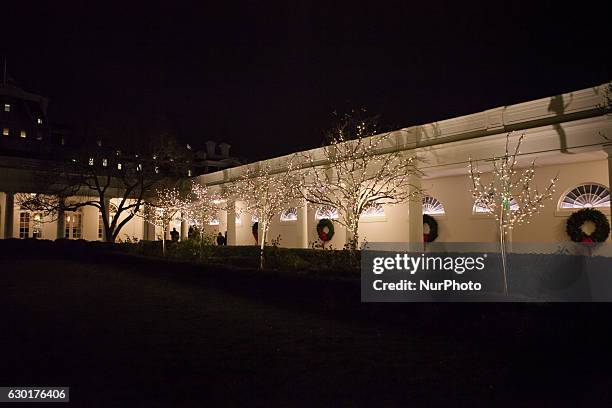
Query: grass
(138, 333)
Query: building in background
(30, 144)
(569, 135)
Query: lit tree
(509, 196)
(166, 206)
(202, 205)
(266, 191)
(358, 170)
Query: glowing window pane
(326, 212)
(587, 196)
(432, 206)
(290, 214)
(374, 210)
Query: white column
(608, 150)
(9, 211)
(231, 223)
(415, 214)
(302, 224)
(184, 228)
(148, 232)
(60, 225)
(169, 228)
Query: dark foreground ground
(121, 332)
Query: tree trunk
(164, 242)
(502, 245)
(264, 231)
(352, 237)
(109, 235)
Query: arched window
(480, 208)
(290, 214)
(326, 212)
(586, 196)
(432, 206)
(373, 210)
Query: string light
(358, 174)
(507, 185)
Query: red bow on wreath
(588, 240)
(323, 236)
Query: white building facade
(569, 136)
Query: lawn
(138, 333)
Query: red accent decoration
(588, 240)
(425, 237)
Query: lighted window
(189, 173)
(156, 169)
(326, 212)
(72, 225)
(62, 141)
(91, 161)
(5, 131)
(139, 167)
(23, 134)
(24, 225)
(254, 219)
(7, 107)
(213, 221)
(587, 196)
(37, 226)
(104, 162)
(39, 121)
(432, 206)
(373, 210)
(118, 166)
(290, 214)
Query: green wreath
(433, 228)
(325, 236)
(574, 224)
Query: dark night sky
(266, 77)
